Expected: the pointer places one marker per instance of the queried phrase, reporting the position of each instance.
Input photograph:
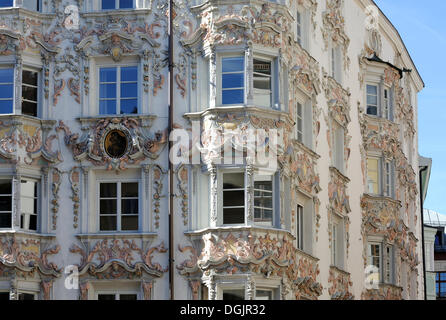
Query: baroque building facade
(91, 207)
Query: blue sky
(422, 26)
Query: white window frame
(118, 205)
(14, 83)
(337, 241)
(389, 264)
(27, 215)
(222, 287)
(273, 79)
(378, 160)
(300, 216)
(369, 84)
(273, 196)
(220, 78)
(336, 63)
(39, 6)
(221, 178)
(118, 87)
(11, 180)
(299, 27)
(300, 129)
(39, 86)
(334, 243)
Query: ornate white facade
(332, 77)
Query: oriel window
(262, 82)
(233, 80)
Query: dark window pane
(129, 223)
(233, 64)
(233, 198)
(6, 91)
(372, 110)
(4, 296)
(263, 83)
(233, 180)
(33, 222)
(106, 297)
(108, 223)
(5, 220)
(129, 106)
(29, 93)
(232, 96)
(107, 207)
(108, 74)
(108, 190)
(263, 185)
(232, 80)
(127, 297)
(31, 5)
(26, 296)
(30, 77)
(29, 108)
(6, 75)
(107, 107)
(233, 216)
(107, 91)
(5, 187)
(129, 73)
(5, 203)
(234, 295)
(129, 206)
(373, 90)
(129, 190)
(129, 90)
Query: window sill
(26, 233)
(238, 228)
(107, 12)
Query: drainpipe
(171, 189)
(422, 231)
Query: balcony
(269, 253)
(385, 292)
(27, 255)
(25, 139)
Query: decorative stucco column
(249, 61)
(212, 168)
(249, 206)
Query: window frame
(220, 78)
(273, 200)
(39, 205)
(338, 154)
(337, 253)
(11, 180)
(13, 83)
(118, 84)
(335, 62)
(440, 278)
(273, 78)
(39, 6)
(300, 216)
(118, 205)
(39, 94)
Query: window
(335, 64)
(29, 92)
(262, 83)
(373, 175)
(117, 4)
(334, 244)
(441, 285)
(299, 122)
(118, 206)
(5, 204)
(4, 296)
(372, 100)
(33, 5)
(6, 3)
(300, 227)
(380, 180)
(118, 90)
(337, 243)
(338, 147)
(233, 80)
(299, 27)
(29, 205)
(388, 271)
(263, 200)
(233, 198)
(234, 294)
(117, 296)
(27, 296)
(374, 257)
(386, 104)
(6, 91)
(264, 294)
